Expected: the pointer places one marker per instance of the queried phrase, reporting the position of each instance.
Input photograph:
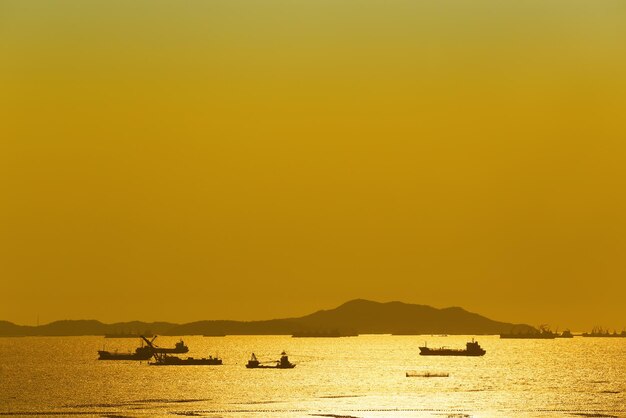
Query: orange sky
(243, 159)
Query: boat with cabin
(283, 363)
(168, 360)
(472, 349)
(565, 334)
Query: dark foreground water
(357, 376)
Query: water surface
(361, 376)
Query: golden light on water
(355, 376)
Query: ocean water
(361, 376)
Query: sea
(364, 376)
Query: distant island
(355, 317)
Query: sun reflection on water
(354, 376)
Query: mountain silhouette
(369, 317)
(358, 316)
(83, 327)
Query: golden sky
(165, 160)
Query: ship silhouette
(143, 352)
(472, 349)
(283, 363)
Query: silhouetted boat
(283, 363)
(141, 353)
(565, 334)
(165, 360)
(543, 333)
(426, 374)
(144, 352)
(472, 349)
(599, 332)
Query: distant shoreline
(355, 317)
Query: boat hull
(473, 349)
(107, 355)
(458, 353)
(291, 366)
(188, 362)
(172, 350)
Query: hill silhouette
(354, 317)
(402, 318)
(83, 327)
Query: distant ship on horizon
(544, 333)
(472, 349)
(599, 332)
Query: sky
(243, 159)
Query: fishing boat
(472, 349)
(283, 363)
(426, 374)
(165, 360)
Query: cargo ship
(472, 349)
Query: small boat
(427, 374)
(283, 363)
(565, 334)
(472, 349)
(165, 360)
